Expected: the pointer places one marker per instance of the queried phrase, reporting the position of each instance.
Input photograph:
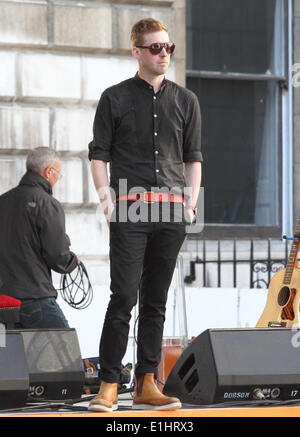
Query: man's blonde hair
(142, 27)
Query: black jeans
(142, 258)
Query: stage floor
(187, 411)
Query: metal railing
(256, 261)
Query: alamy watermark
(2, 335)
(296, 75)
(143, 210)
(295, 340)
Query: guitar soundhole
(283, 296)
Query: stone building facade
(56, 57)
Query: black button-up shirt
(147, 137)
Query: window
(236, 66)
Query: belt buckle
(145, 197)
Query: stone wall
(56, 58)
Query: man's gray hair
(40, 158)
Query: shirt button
(155, 115)
(155, 133)
(156, 152)
(154, 98)
(157, 171)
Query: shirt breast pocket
(126, 126)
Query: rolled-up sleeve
(100, 146)
(192, 131)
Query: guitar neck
(292, 256)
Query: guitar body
(282, 306)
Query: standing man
(33, 241)
(148, 128)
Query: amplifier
(222, 365)
(54, 363)
(14, 380)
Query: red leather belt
(151, 197)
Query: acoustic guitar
(282, 305)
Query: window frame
(232, 231)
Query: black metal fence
(253, 265)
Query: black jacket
(32, 240)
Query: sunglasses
(157, 47)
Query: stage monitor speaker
(223, 365)
(14, 379)
(55, 365)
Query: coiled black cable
(76, 289)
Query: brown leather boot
(107, 398)
(148, 397)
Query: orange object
(171, 351)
